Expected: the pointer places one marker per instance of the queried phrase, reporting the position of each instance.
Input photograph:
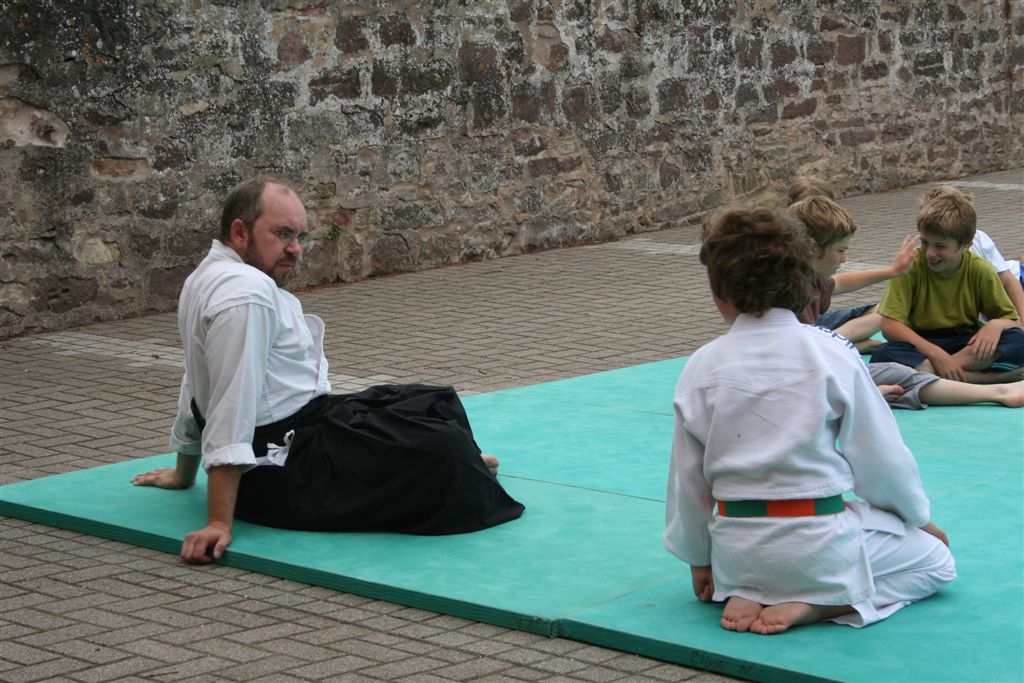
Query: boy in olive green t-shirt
(931, 316)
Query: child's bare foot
(778, 618)
(868, 345)
(890, 392)
(739, 613)
(1010, 395)
(491, 462)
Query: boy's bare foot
(491, 462)
(890, 392)
(740, 613)
(1010, 395)
(778, 618)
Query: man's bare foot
(491, 462)
(1010, 395)
(740, 613)
(868, 345)
(778, 618)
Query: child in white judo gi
(775, 421)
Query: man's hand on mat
(165, 478)
(207, 544)
(491, 462)
(703, 584)
(936, 532)
(182, 476)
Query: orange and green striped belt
(801, 507)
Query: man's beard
(251, 257)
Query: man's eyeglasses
(287, 235)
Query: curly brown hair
(759, 258)
(948, 213)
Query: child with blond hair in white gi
(775, 421)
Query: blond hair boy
(831, 227)
(932, 315)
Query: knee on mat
(941, 570)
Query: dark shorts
(1010, 349)
(833, 318)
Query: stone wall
(428, 133)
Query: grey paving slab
(82, 608)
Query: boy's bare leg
(867, 346)
(778, 618)
(739, 613)
(945, 392)
(979, 377)
(974, 371)
(859, 331)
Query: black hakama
(393, 457)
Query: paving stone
(599, 674)
(367, 650)
(332, 668)
(156, 650)
(404, 667)
(472, 669)
(560, 665)
(90, 652)
(24, 654)
(260, 667)
(275, 631)
(521, 655)
(295, 648)
(114, 670)
(197, 668)
(53, 669)
(630, 663)
(523, 673)
(36, 619)
(57, 635)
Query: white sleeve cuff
(185, 447)
(233, 454)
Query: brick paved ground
(81, 608)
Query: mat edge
(241, 560)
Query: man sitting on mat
(766, 444)
(255, 407)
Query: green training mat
(588, 456)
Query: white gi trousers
(907, 565)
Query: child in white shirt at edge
(1008, 271)
(775, 420)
